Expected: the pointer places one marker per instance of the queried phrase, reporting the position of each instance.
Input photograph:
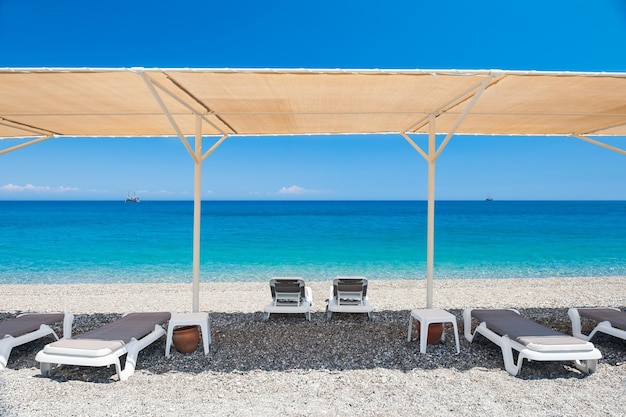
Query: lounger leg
(131, 361)
(266, 316)
(45, 368)
(410, 331)
(133, 352)
(588, 366)
(576, 325)
(507, 355)
(467, 325)
(5, 351)
(129, 367)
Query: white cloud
(294, 189)
(13, 188)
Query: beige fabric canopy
(136, 101)
(45, 103)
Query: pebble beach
(346, 366)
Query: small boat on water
(489, 198)
(133, 199)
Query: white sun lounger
(509, 330)
(348, 295)
(289, 296)
(611, 321)
(104, 346)
(28, 327)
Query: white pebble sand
(348, 366)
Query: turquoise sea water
(110, 241)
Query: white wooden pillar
(430, 228)
(197, 216)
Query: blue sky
(534, 35)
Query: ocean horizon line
(315, 200)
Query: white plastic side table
(189, 319)
(428, 316)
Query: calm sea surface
(105, 242)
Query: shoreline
(346, 366)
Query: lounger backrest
(287, 285)
(27, 323)
(507, 322)
(615, 317)
(350, 285)
(133, 325)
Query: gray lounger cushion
(507, 322)
(615, 317)
(133, 325)
(28, 323)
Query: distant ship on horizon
(489, 198)
(133, 199)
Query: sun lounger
(104, 346)
(348, 295)
(289, 296)
(28, 327)
(509, 330)
(610, 321)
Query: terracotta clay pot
(435, 330)
(185, 339)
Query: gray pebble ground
(346, 366)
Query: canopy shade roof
(158, 102)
